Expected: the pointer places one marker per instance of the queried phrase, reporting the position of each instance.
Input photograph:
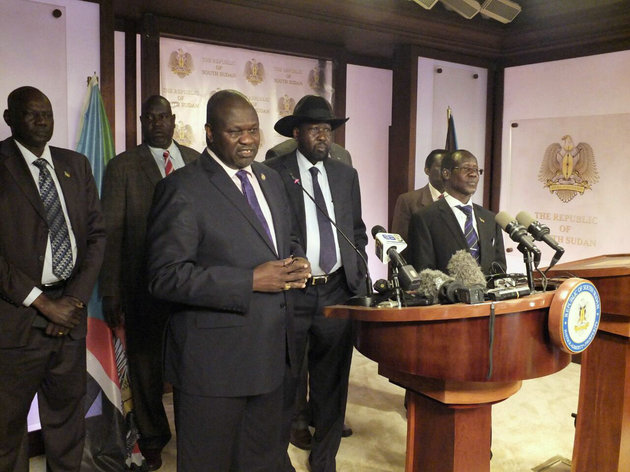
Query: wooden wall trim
(150, 57)
(107, 85)
(131, 82)
(495, 133)
(402, 133)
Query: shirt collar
(29, 157)
(230, 172)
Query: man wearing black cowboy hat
(338, 272)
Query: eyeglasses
(315, 131)
(469, 170)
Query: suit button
(41, 258)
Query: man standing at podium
(454, 222)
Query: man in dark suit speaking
(438, 231)
(220, 246)
(51, 248)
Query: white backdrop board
(582, 199)
(191, 72)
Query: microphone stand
(527, 258)
(397, 290)
(355, 300)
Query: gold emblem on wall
(181, 63)
(254, 72)
(183, 134)
(285, 105)
(568, 170)
(316, 79)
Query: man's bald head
(29, 115)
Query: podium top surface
(440, 312)
(610, 265)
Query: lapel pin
(263, 177)
(66, 173)
(482, 220)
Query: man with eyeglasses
(320, 189)
(454, 222)
(128, 186)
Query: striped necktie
(469, 231)
(168, 164)
(58, 229)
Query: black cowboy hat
(310, 109)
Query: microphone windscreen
(464, 269)
(378, 229)
(503, 219)
(524, 219)
(430, 282)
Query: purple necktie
(469, 232)
(249, 193)
(327, 249)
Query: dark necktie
(59, 236)
(168, 164)
(469, 231)
(249, 193)
(327, 250)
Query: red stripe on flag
(99, 343)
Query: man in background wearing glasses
(454, 222)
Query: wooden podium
(602, 436)
(456, 361)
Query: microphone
(540, 232)
(356, 300)
(431, 281)
(387, 247)
(519, 235)
(386, 241)
(470, 282)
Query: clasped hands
(285, 274)
(63, 313)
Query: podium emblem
(574, 315)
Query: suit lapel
(219, 178)
(296, 194)
(68, 182)
(451, 222)
(148, 165)
(486, 234)
(277, 214)
(18, 168)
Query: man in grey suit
(51, 249)
(411, 202)
(452, 223)
(128, 186)
(338, 271)
(220, 246)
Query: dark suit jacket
(406, 205)
(25, 231)
(435, 235)
(127, 193)
(344, 187)
(204, 241)
(287, 147)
